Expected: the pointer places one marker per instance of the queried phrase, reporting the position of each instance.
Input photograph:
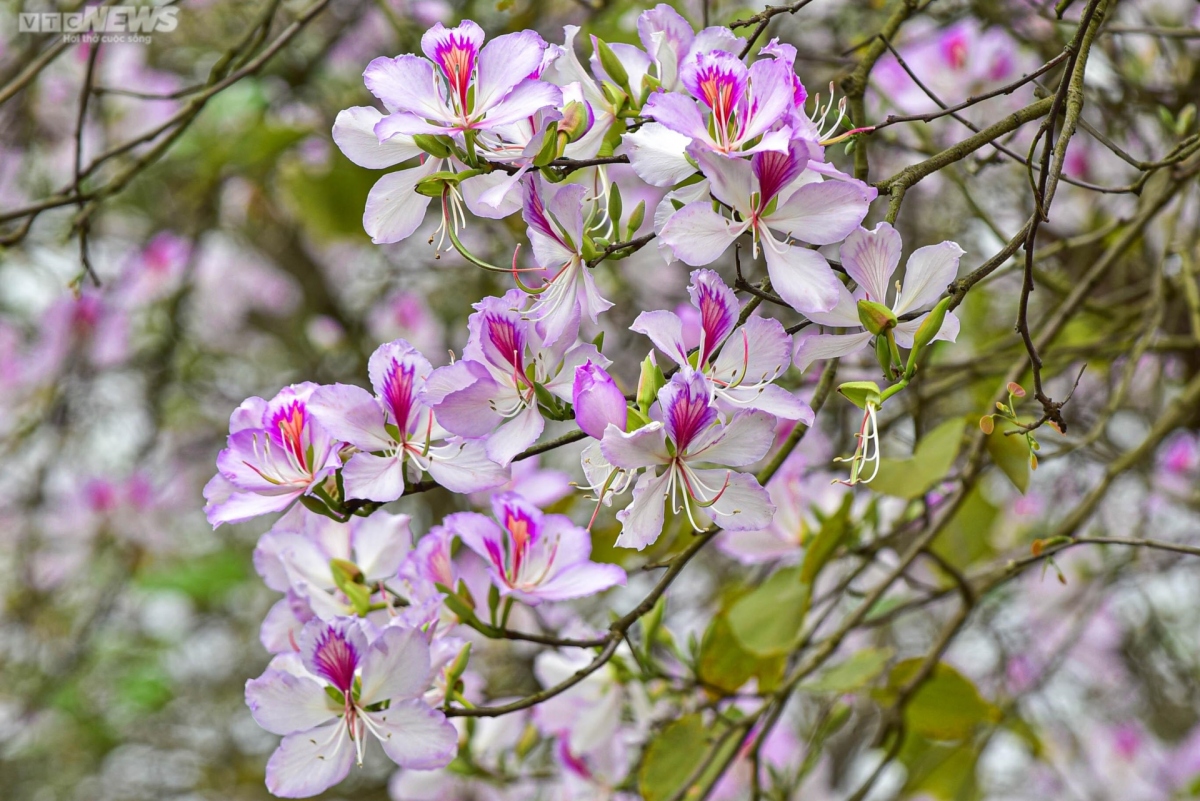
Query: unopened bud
(436, 146)
(577, 120)
(650, 382)
(876, 317)
(1015, 389)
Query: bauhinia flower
(345, 691)
(462, 86)
(305, 554)
(276, 452)
(773, 191)
(744, 104)
(493, 391)
(672, 43)
(396, 433)
(687, 433)
(870, 258)
(751, 356)
(533, 556)
(556, 229)
(597, 400)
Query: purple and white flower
(751, 357)
(688, 431)
(345, 690)
(597, 400)
(672, 43)
(276, 452)
(773, 191)
(870, 258)
(556, 229)
(533, 556)
(396, 433)
(462, 85)
(492, 391)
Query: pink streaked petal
(354, 134)
(802, 277)
(284, 704)
(333, 651)
(698, 235)
(718, 307)
(719, 80)
(480, 534)
(311, 762)
(871, 258)
(686, 409)
(775, 170)
(415, 736)
(817, 347)
(927, 274)
(642, 519)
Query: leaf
(1010, 454)
(833, 531)
(203, 578)
(672, 757)
(767, 620)
(940, 771)
(725, 665)
(931, 460)
(966, 539)
(855, 673)
(947, 706)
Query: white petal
(395, 666)
(827, 346)
(415, 736)
(373, 478)
(354, 133)
(310, 762)
(284, 704)
(929, 271)
(802, 277)
(657, 154)
(698, 235)
(394, 209)
(642, 520)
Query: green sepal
(860, 393)
(650, 381)
(436, 146)
(549, 151)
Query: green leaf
(932, 459)
(833, 531)
(724, 665)
(204, 578)
(1010, 454)
(671, 759)
(767, 620)
(947, 706)
(855, 673)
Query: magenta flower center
(398, 392)
(336, 659)
(456, 56)
(290, 422)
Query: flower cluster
(374, 629)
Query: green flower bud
(436, 146)
(650, 382)
(876, 317)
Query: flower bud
(577, 115)
(649, 383)
(611, 64)
(875, 317)
(597, 400)
(436, 146)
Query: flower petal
(641, 448)
(504, 63)
(743, 440)
(823, 213)
(283, 703)
(698, 235)
(394, 209)
(369, 477)
(657, 154)
(803, 278)
(462, 466)
(350, 414)
(642, 519)
(743, 505)
(354, 133)
(310, 762)
(397, 665)
(665, 330)
(929, 271)
(827, 346)
(414, 735)
(407, 83)
(514, 436)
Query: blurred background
(231, 261)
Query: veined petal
(802, 277)
(642, 519)
(871, 257)
(827, 346)
(374, 478)
(581, 580)
(461, 395)
(843, 315)
(731, 180)
(395, 666)
(463, 467)
(354, 134)
(657, 154)
(823, 213)
(406, 124)
(718, 307)
(414, 735)
(679, 113)
(309, 763)
(771, 99)
(504, 63)
(352, 415)
(284, 704)
(665, 330)
(743, 504)
(641, 448)
(526, 99)
(394, 209)
(698, 235)
(929, 271)
(758, 351)
(743, 440)
(407, 83)
(515, 435)
(772, 399)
